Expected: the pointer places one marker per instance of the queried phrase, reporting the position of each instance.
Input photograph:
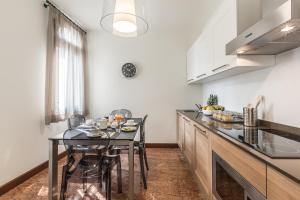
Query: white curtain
(66, 64)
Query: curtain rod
(48, 3)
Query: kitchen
(238, 60)
(257, 159)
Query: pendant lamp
(124, 18)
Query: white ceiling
(163, 15)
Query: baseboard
(162, 145)
(22, 178)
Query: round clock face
(128, 70)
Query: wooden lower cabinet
(189, 139)
(252, 169)
(203, 165)
(197, 144)
(180, 131)
(281, 187)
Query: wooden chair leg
(146, 160)
(141, 156)
(119, 175)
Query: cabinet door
(189, 141)
(224, 31)
(252, 169)
(200, 57)
(191, 63)
(180, 135)
(281, 187)
(204, 52)
(203, 157)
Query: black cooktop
(273, 143)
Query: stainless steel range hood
(277, 32)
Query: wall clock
(129, 70)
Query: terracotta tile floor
(168, 179)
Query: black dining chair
(94, 163)
(139, 148)
(141, 145)
(75, 121)
(126, 113)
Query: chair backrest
(126, 113)
(142, 130)
(75, 121)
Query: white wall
(270, 5)
(159, 88)
(279, 84)
(23, 137)
(199, 12)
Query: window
(66, 62)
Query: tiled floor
(168, 179)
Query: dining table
(118, 138)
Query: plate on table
(128, 128)
(131, 124)
(86, 126)
(95, 134)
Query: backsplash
(281, 105)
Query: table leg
(131, 171)
(52, 171)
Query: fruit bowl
(208, 112)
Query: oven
(228, 184)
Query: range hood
(277, 32)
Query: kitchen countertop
(288, 167)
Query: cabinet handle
(218, 68)
(190, 80)
(187, 120)
(203, 132)
(201, 75)
(248, 35)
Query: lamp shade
(125, 18)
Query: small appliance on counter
(250, 113)
(250, 116)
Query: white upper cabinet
(200, 57)
(192, 60)
(206, 54)
(224, 31)
(207, 59)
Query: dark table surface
(289, 167)
(78, 135)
